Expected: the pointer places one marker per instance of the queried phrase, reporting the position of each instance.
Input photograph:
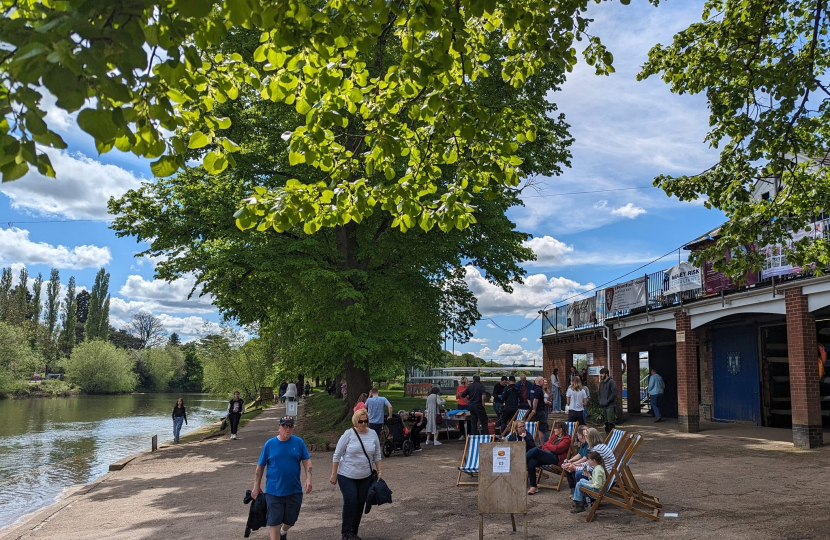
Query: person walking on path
(498, 402)
(291, 391)
(356, 457)
(434, 403)
(608, 399)
(475, 396)
(280, 460)
(656, 387)
(374, 406)
(283, 388)
(179, 418)
(538, 411)
(235, 408)
(307, 389)
(556, 397)
(577, 401)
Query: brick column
(688, 412)
(707, 392)
(632, 375)
(804, 383)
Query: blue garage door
(735, 374)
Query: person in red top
(464, 405)
(552, 452)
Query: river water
(48, 445)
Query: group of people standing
(289, 391)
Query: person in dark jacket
(179, 417)
(475, 396)
(498, 402)
(521, 434)
(511, 398)
(608, 399)
(257, 513)
(235, 409)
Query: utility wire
(585, 192)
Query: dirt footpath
(726, 482)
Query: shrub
(98, 367)
(396, 386)
(161, 366)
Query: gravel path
(727, 482)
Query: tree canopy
(763, 67)
(379, 128)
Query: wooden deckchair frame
(477, 440)
(615, 490)
(633, 488)
(511, 424)
(557, 469)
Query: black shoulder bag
(374, 474)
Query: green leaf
(12, 171)
(198, 140)
(164, 166)
(224, 123)
(194, 8)
(98, 123)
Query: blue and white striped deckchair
(613, 439)
(616, 490)
(570, 429)
(532, 430)
(631, 486)
(469, 461)
(511, 425)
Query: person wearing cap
(280, 460)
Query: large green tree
(763, 67)
(378, 128)
(353, 297)
(97, 324)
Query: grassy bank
(47, 388)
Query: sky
(626, 133)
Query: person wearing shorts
(280, 461)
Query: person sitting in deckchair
(593, 479)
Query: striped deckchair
(469, 461)
(532, 430)
(519, 415)
(570, 429)
(613, 439)
(612, 477)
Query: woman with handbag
(355, 465)
(434, 402)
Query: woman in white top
(577, 400)
(351, 468)
(291, 391)
(555, 397)
(434, 402)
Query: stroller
(398, 439)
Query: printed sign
(716, 282)
(501, 460)
(681, 337)
(291, 408)
(683, 277)
(594, 370)
(582, 312)
(625, 296)
(589, 358)
(775, 257)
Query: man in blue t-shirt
(282, 457)
(375, 405)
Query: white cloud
(17, 247)
(161, 295)
(479, 340)
(552, 252)
(599, 205)
(81, 190)
(491, 325)
(628, 211)
(508, 353)
(549, 251)
(524, 340)
(536, 291)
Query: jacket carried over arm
(257, 513)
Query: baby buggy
(398, 438)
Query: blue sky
(626, 133)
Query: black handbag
(374, 473)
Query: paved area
(726, 482)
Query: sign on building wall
(582, 312)
(683, 277)
(716, 282)
(775, 256)
(625, 296)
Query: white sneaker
(461, 438)
(428, 442)
(438, 443)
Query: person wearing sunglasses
(280, 460)
(356, 459)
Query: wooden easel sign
(502, 482)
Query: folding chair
(519, 415)
(570, 428)
(469, 461)
(613, 439)
(615, 490)
(632, 487)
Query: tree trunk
(357, 382)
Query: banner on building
(716, 282)
(775, 256)
(582, 312)
(680, 278)
(624, 296)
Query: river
(50, 444)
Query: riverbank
(730, 482)
(39, 389)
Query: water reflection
(47, 445)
